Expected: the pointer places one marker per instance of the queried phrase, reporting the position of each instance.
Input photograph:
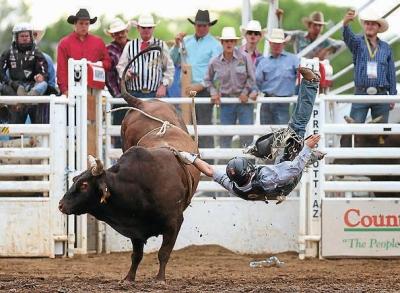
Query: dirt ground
(199, 269)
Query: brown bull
(145, 193)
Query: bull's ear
(75, 179)
(104, 191)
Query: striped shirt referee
(148, 73)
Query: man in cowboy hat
(80, 44)
(231, 74)
(198, 50)
(314, 23)
(253, 34)
(118, 30)
(276, 77)
(374, 69)
(147, 77)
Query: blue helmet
(239, 170)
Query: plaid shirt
(112, 77)
(384, 58)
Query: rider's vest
(257, 191)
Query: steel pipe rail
(11, 100)
(362, 153)
(25, 153)
(25, 186)
(367, 186)
(28, 129)
(386, 170)
(358, 128)
(24, 170)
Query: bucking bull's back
(165, 128)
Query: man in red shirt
(80, 44)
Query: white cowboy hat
(228, 33)
(252, 25)
(145, 20)
(117, 25)
(372, 16)
(277, 36)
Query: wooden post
(91, 123)
(186, 80)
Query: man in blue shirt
(198, 50)
(276, 181)
(276, 77)
(374, 70)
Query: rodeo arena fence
(323, 217)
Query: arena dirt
(199, 269)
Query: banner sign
(360, 227)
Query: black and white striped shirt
(149, 70)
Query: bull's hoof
(160, 281)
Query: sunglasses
(229, 41)
(253, 33)
(146, 27)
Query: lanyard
(371, 54)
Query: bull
(372, 141)
(146, 192)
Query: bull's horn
(378, 119)
(349, 119)
(95, 165)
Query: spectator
(23, 71)
(147, 77)
(374, 70)
(80, 44)
(38, 33)
(43, 110)
(231, 74)
(200, 48)
(253, 34)
(118, 30)
(301, 39)
(276, 77)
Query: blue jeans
(359, 111)
(304, 106)
(39, 87)
(230, 113)
(139, 94)
(277, 113)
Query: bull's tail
(130, 99)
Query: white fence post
(77, 88)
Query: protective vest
(257, 191)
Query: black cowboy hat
(203, 17)
(81, 14)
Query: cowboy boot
(309, 74)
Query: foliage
(168, 28)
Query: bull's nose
(60, 206)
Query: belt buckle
(372, 90)
(145, 91)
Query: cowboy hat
(372, 16)
(228, 33)
(252, 25)
(81, 14)
(277, 36)
(117, 25)
(38, 30)
(203, 17)
(144, 20)
(316, 17)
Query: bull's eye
(83, 187)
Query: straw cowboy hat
(203, 17)
(228, 33)
(372, 16)
(117, 25)
(144, 20)
(81, 14)
(315, 17)
(277, 36)
(252, 25)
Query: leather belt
(372, 90)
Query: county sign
(360, 227)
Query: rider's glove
(189, 158)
